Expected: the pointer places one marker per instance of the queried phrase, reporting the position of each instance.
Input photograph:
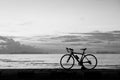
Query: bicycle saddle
(83, 49)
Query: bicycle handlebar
(69, 49)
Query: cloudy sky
(43, 17)
(51, 25)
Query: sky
(46, 17)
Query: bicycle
(87, 61)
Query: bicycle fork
(69, 58)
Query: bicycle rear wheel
(89, 61)
(67, 61)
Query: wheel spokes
(67, 61)
(89, 61)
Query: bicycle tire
(66, 65)
(91, 64)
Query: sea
(52, 61)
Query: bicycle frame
(79, 57)
(72, 53)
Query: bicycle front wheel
(67, 61)
(89, 61)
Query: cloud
(117, 32)
(51, 44)
(96, 42)
(106, 36)
(70, 38)
(65, 37)
(96, 37)
(9, 45)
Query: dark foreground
(59, 74)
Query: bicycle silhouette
(87, 61)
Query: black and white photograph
(60, 39)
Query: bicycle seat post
(84, 49)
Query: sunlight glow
(46, 17)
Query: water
(26, 61)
